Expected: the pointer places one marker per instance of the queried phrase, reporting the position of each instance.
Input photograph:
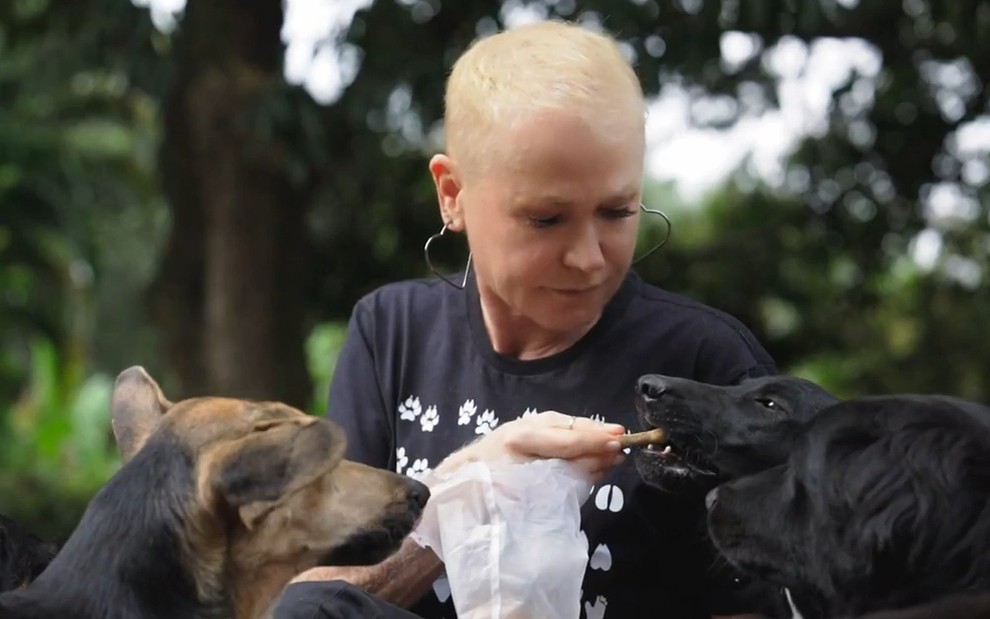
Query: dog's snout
(418, 495)
(651, 386)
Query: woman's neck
(516, 336)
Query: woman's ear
(447, 180)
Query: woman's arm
(402, 579)
(406, 576)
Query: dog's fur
(219, 503)
(884, 503)
(716, 433)
(23, 555)
(961, 606)
(719, 433)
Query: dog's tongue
(656, 436)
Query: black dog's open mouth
(680, 454)
(676, 458)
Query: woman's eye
(618, 213)
(544, 222)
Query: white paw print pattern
(401, 459)
(529, 412)
(430, 419)
(598, 418)
(419, 469)
(486, 422)
(596, 610)
(610, 498)
(466, 412)
(410, 409)
(441, 587)
(601, 559)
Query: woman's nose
(585, 251)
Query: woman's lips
(574, 292)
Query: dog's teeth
(666, 450)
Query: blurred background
(205, 188)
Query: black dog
(720, 433)
(715, 434)
(884, 503)
(22, 555)
(962, 606)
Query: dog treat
(656, 436)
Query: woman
(543, 173)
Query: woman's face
(552, 221)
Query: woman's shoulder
(669, 310)
(692, 329)
(407, 289)
(409, 299)
(652, 299)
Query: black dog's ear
(136, 409)
(255, 473)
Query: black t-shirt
(417, 378)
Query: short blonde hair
(546, 65)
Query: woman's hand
(594, 446)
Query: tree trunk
(229, 299)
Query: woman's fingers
(573, 422)
(597, 467)
(554, 435)
(547, 435)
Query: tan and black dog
(219, 503)
(22, 555)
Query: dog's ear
(255, 473)
(136, 409)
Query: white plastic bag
(509, 536)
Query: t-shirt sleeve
(730, 353)
(356, 400)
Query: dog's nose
(711, 499)
(651, 386)
(419, 494)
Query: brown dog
(22, 555)
(220, 502)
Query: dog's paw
(430, 419)
(410, 409)
(596, 610)
(486, 422)
(466, 412)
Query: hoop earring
(429, 263)
(666, 237)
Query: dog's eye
(264, 426)
(767, 403)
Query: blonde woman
(542, 172)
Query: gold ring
(570, 426)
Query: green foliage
(77, 143)
(58, 446)
(820, 269)
(322, 348)
(58, 443)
